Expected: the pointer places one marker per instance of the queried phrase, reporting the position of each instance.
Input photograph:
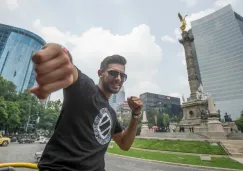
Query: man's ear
(100, 73)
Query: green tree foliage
(16, 109)
(3, 111)
(7, 90)
(49, 116)
(13, 121)
(166, 119)
(239, 122)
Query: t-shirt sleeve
(83, 87)
(118, 127)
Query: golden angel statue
(183, 21)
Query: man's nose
(118, 78)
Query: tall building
(123, 109)
(218, 39)
(151, 101)
(117, 99)
(16, 48)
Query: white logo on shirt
(102, 126)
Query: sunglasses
(115, 74)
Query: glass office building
(152, 101)
(117, 99)
(218, 39)
(16, 48)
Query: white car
(44, 140)
(38, 156)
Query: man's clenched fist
(135, 104)
(54, 70)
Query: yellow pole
(19, 164)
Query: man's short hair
(114, 59)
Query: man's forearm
(130, 134)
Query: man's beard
(107, 88)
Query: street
(25, 153)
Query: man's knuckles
(52, 64)
(57, 74)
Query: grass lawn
(180, 146)
(175, 158)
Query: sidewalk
(239, 159)
(234, 148)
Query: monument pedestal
(144, 128)
(192, 113)
(215, 129)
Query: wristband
(133, 113)
(135, 116)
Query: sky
(145, 32)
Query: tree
(49, 116)
(3, 112)
(177, 118)
(166, 119)
(7, 89)
(17, 108)
(151, 117)
(239, 122)
(13, 121)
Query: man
(87, 122)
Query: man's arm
(125, 138)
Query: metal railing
(11, 166)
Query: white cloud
(177, 33)
(222, 3)
(88, 50)
(182, 56)
(167, 38)
(190, 3)
(198, 15)
(12, 4)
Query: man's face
(113, 78)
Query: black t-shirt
(83, 130)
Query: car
(4, 141)
(44, 140)
(26, 140)
(38, 156)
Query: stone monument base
(145, 130)
(192, 114)
(230, 127)
(215, 129)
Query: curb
(177, 164)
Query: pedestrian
(87, 122)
